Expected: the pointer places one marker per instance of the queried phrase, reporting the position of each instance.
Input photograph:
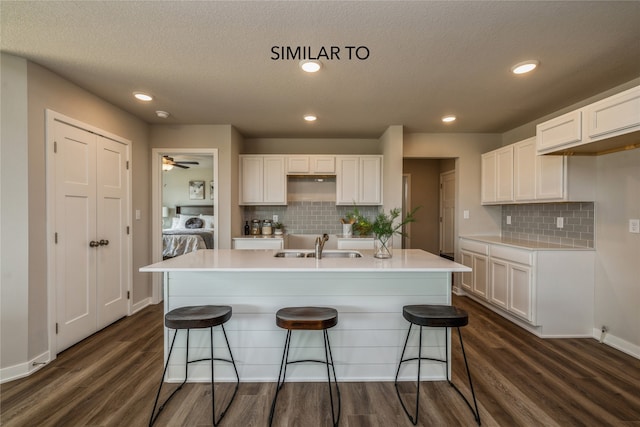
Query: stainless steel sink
(329, 253)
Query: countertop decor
(384, 227)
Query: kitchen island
(368, 293)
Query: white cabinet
(359, 180)
(609, 125)
(537, 178)
(258, 243)
(497, 176)
(311, 165)
(560, 131)
(262, 180)
(355, 243)
(474, 255)
(547, 291)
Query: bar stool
(309, 319)
(435, 316)
(197, 317)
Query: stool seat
(436, 316)
(197, 317)
(307, 318)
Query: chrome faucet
(320, 241)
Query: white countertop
(405, 260)
(525, 244)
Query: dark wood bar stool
(435, 316)
(197, 317)
(309, 319)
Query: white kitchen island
(368, 293)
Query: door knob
(93, 244)
(103, 242)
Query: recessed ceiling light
(310, 118)
(143, 96)
(449, 119)
(525, 67)
(310, 66)
(162, 114)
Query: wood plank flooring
(110, 379)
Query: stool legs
(154, 415)
(328, 361)
(414, 419)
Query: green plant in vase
(360, 224)
(384, 227)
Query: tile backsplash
(305, 217)
(537, 222)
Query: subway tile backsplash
(308, 217)
(537, 222)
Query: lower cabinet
(549, 292)
(258, 243)
(355, 243)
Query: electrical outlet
(508, 219)
(275, 218)
(634, 226)
(465, 214)
(138, 214)
(560, 222)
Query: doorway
(162, 212)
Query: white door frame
(156, 206)
(51, 117)
(444, 175)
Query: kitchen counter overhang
(367, 292)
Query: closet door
(75, 227)
(112, 252)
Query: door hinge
(127, 164)
(128, 294)
(56, 328)
(56, 238)
(127, 229)
(55, 146)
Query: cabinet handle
(103, 242)
(93, 244)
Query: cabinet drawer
(473, 246)
(513, 255)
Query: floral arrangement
(385, 226)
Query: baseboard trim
(140, 305)
(25, 369)
(617, 343)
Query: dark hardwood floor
(110, 379)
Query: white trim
(618, 343)
(24, 369)
(50, 118)
(140, 305)
(156, 207)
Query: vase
(347, 230)
(383, 246)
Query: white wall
(14, 208)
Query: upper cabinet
(359, 180)
(311, 165)
(263, 180)
(609, 125)
(516, 174)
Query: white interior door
(447, 212)
(75, 225)
(111, 212)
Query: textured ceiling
(210, 62)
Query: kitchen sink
(329, 253)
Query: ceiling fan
(168, 163)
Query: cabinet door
(524, 174)
(504, 174)
(480, 276)
(613, 114)
(499, 294)
(370, 188)
(275, 182)
(323, 164)
(297, 164)
(347, 179)
(467, 277)
(520, 290)
(251, 175)
(488, 177)
(550, 177)
(558, 132)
